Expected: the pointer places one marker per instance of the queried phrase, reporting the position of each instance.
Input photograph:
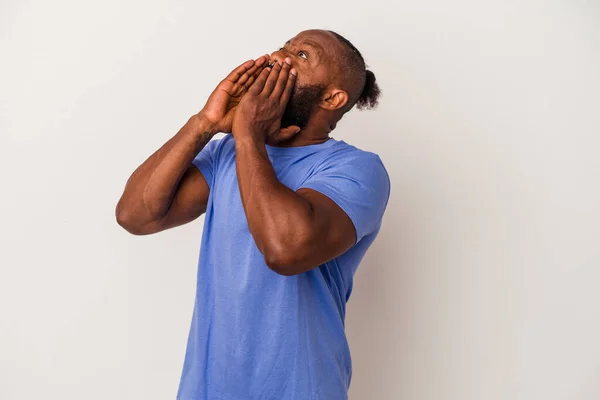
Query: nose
(278, 56)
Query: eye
(302, 54)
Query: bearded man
(290, 213)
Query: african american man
(290, 213)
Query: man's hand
(221, 106)
(259, 112)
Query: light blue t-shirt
(256, 334)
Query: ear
(334, 99)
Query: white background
(484, 282)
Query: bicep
(332, 233)
(189, 201)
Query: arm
(167, 190)
(295, 231)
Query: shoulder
(357, 181)
(213, 154)
(351, 155)
(218, 147)
(352, 173)
(224, 143)
(350, 160)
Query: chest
(291, 172)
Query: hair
(363, 90)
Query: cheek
(305, 74)
(300, 81)
(305, 79)
(311, 76)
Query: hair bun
(369, 97)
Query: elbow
(280, 265)
(284, 259)
(126, 220)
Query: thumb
(288, 132)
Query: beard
(301, 104)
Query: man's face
(310, 52)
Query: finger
(239, 71)
(260, 62)
(259, 83)
(253, 78)
(289, 87)
(282, 80)
(250, 74)
(249, 83)
(272, 79)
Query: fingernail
(293, 72)
(288, 60)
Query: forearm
(150, 189)
(277, 216)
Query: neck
(307, 136)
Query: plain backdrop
(484, 281)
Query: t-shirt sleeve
(359, 185)
(205, 160)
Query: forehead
(324, 41)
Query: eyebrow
(312, 44)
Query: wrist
(245, 142)
(203, 125)
(247, 131)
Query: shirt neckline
(299, 150)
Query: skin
(313, 54)
(295, 231)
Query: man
(290, 212)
